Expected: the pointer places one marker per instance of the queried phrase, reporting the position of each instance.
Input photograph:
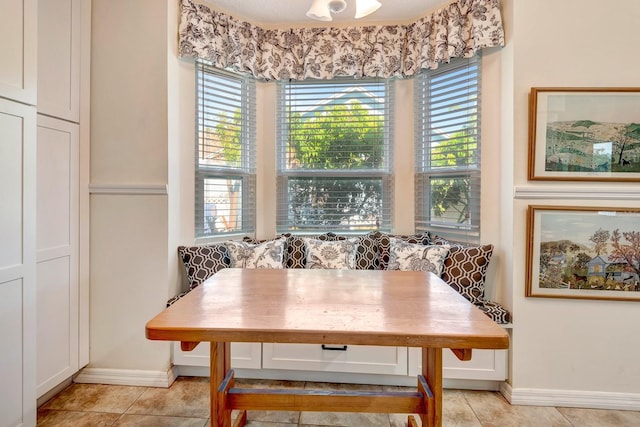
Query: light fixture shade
(337, 6)
(319, 10)
(366, 7)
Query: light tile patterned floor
(186, 404)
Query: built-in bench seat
(462, 266)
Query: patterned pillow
(367, 255)
(296, 252)
(368, 248)
(269, 254)
(202, 262)
(465, 268)
(384, 241)
(340, 254)
(285, 256)
(416, 257)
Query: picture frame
(583, 252)
(584, 134)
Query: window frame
(284, 175)
(424, 171)
(245, 171)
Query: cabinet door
(484, 365)
(245, 355)
(59, 58)
(362, 359)
(17, 264)
(57, 252)
(18, 44)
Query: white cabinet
(59, 59)
(62, 182)
(17, 262)
(18, 44)
(485, 365)
(57, 252)
(244, 355)
(359, 359)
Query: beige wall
(130, 144)
(563, 348)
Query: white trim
(572, 398)
(130, 377)
(129, 189)
(575, 193)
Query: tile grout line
(475, 414)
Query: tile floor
(186, 404)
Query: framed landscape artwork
(584, 134)
(588, 253)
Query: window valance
(458, 29)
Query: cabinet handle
(339, 348)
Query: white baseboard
(571, 398)
(127, 377)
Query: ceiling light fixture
(322, 9)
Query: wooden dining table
(346, 307)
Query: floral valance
(458, 29)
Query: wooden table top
(366, 307)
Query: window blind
(447, 150)
(225, 153)
(334, 155)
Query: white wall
(565, 350)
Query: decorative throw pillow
(385, 245)
(416, 257)
(287, 249)
(296, 252)
(340, 254)
(367, 254)
(202, 262)
(465, 268)
(269, 254)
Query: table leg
(220, 359)
(432, 372)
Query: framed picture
(584, 134)
(589, 253)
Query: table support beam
(432, 373)
(325, 400)
(220, 366)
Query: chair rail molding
(577, 193)
(129, 189)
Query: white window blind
(334, 155)
(447, 151)
(225, 153)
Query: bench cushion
(495, 311)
